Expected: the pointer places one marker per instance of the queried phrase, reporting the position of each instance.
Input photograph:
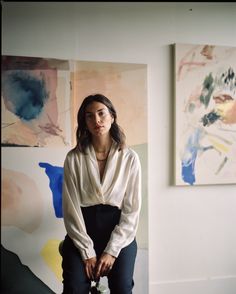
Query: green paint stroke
(221, 165)
(208, 87)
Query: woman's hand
(90, 265)
(104, 265)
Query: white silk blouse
(119, 187)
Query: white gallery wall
(192, 230)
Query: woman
(101, 202)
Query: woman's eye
(89, 116)
(102, 113)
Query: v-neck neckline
(102, 176)
(94, 159)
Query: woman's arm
(72, 214)
(125, 232)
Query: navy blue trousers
(100, 221)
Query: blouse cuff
(86, 254)
(112, 251)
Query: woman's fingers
(89, 272)
(104, 265)
(94, 270)
(90, 265)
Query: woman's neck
(102, 145)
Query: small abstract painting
(35, 102)
(205, 114)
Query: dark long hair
(83, 136)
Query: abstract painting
(35, 102)
(40, 99)
(31, 216)
(205, 114)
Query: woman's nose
(97, 118)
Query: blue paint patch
(23, 94)
(55, 175)
(188, 174)
(190, 155)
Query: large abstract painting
(40, 99)
(205, 114)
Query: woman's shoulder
(73, 153)
(131, 153)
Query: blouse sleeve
(124, 233)
(72, 214)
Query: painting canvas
(35, 102)
(31, 212)
(126, 86)
(31, 219)
(124, 83)
(205, 114)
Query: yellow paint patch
(219, 146)
(52, 257)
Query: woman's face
(98, 119)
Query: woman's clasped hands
(99, 268)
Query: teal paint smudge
(208, 87)
(191, 107)
(209, 118)
(23, 94)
